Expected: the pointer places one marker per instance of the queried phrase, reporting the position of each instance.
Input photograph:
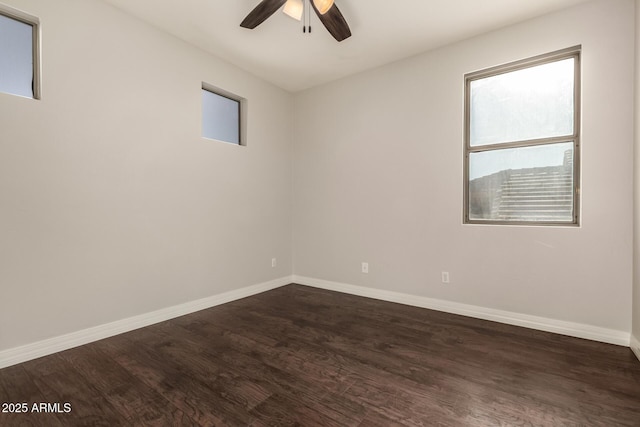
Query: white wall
(378, 169)
(111, 204)
(635, 340)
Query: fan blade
(265, 9)
(334, 22)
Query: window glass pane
(16, 57)
(522, 184)
(531, 103)
(220, 117)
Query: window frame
(34, 22)
(242, 114)
(572, 52)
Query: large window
(19, 71)
(522, 142)
(222, 115)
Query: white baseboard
(49, 346)
(635, 346)
(578, 330)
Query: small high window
(522, 142)
(19, 70)
(222, 116)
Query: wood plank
(199, 398)
(17, 387)
(280, 371)
(60, 383)
(137, 403)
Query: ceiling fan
(327, 11)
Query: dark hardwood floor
(303, 356)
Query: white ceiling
(383, 31)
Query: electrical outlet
(445, 277)
(274, 262)
(365, 267)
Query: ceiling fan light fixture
(294, 9)
(323, 6)
(327, 11)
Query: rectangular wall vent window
(222, 116)
(18, 54)
(522, 142)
